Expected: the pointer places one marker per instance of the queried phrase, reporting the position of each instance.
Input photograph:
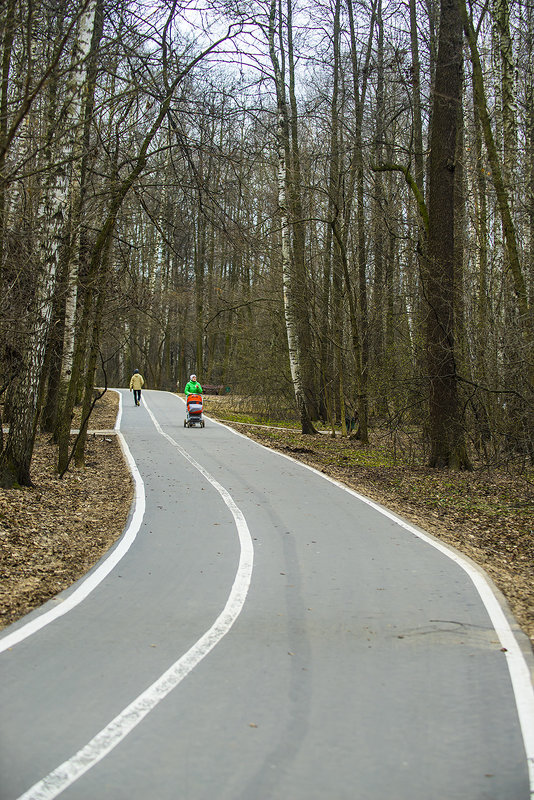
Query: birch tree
(16, 457)
(85, 45)
(290, 289)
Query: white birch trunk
(73, 148)
(291, 325)
(51, 225)
(287, 270)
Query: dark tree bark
(446, 434)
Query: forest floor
(51, 534)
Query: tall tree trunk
(335, 203)
(378, 232)
(298, 226)
(95, 312)
(6, 53)
(509, 111)
(530, 150)
(446, 435)
(200, 263)
(7, 47)
(87, 43)
(482, 240)
(290, 291)
(416, 100)
(325, 354)
(362, 359)
(461, 355)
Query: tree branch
(410, 180)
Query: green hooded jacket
(192, 387)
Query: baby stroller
(193, 407)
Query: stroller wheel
(185, 423)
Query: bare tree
(446, 431)
(285, 176)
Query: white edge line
(117, 426)
(109, 737)
(518, 668)
(110, 561)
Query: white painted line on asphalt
(102, 571)
(110, 736)
(119, 413)
(517, 666)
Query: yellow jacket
(136, 381)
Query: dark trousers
(137, 396)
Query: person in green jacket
(192, 386)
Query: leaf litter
(51, 534)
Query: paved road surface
(267, 635)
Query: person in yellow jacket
(136, 384)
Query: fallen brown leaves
(53, 533)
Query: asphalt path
(262, 633)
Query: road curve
(261, 633)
